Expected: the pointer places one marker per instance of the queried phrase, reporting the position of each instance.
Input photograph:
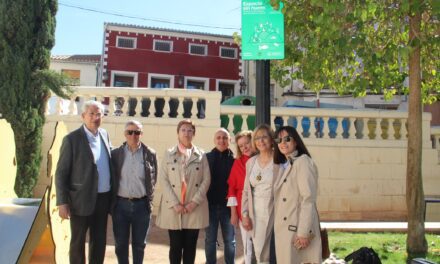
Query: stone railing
(171, 104)
(137, 103)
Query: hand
(64, 211)
(234, 216)
(301, 242)
(189, 207)
(178, 208)
(247, 223)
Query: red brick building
(137, 56)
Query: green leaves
(348, 46)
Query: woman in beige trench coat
(296, 217)
(183, 208)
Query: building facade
(137, 56)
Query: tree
(359, 46)
(26, 37)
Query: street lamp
(242, 85)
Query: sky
(80, 31)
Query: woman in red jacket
(245, 150)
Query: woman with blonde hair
(257, 200)
(236, 178)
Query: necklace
(259, 176)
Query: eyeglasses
(265, 137)
(136, 132)
(283, 139)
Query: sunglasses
(136, 132)
(283, 139)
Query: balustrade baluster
(352, 128)
(152, 109)
(180, 107)
(138, 109)
(166, 107)
(404, 128)
(231, 123)
(244, 126)
(111, 105)
(389, 125)
(194, 109)
(300, 124)
(125, 106)
(72, 106)
(58, 108)
(326, 128)
(378, 131)
(339, 129)
(365, 129)
(285, 120)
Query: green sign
(262, 31)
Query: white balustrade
(320, 124)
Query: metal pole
(262, 87)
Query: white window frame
(197, 79)
(125, 73)
(163, 41)
(200, 45)
(234, 82)
(123, 37)
(161, 76)
(223, 47)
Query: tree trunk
(416, 244)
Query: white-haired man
(83, 184)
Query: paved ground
(157, 245)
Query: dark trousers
(96, 223)
(183, 244)
(134, 214)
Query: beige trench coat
(296, 213)
(170, 183)
(248, 206)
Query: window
(197, 49)
(125, 42)
(160, 82)
(123, 81)
(227, 90)
(74, 76)
(162, 45)
(190, 84)
(230, 53)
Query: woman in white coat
(183, 208)
(257, 201)
(296, 217)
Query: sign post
(262, 40)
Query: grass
(391, 247)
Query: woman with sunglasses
(257, 201)
(183, 208)
(236, 178)
(296, 215)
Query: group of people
(268, 190)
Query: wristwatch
(245, 214)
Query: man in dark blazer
(135, 167)
(83, 184)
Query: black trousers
(96, 223)
(183, 243)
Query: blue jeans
(137, 215)
(219, 214)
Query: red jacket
(236, 181)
